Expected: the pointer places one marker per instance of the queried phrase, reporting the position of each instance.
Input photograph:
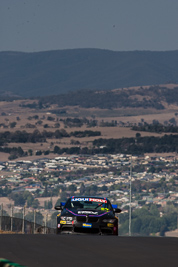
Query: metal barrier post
(23, 221)
(46, 223)
(1, 216)
(11, 218)
(34, 226)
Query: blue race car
(93, 215)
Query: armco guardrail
(11, 223)
(17, 225)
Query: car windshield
(88, 203)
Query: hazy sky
(120, 25)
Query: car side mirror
(117, 210)
(58, 207)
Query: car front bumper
(88, 228)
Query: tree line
(156, 128)
(147, 221)
(140, 145)
(37, 136)
(151, 97)
(111, 99)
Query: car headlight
(65, 218)
(109, 220)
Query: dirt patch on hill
(172, 233)
(43, 199)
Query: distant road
(84, 251)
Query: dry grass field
(12, 112)
(6, 203)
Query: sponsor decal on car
(110, 225)
(87, 225)
(80, 199)
(99, 200)
(106, 209)
(62, 222)
(76, 214)
(87, 212)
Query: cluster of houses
(23, 175)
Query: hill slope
(55, 72)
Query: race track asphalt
(83, 250)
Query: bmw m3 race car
(94, 215)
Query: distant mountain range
(56, 72)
